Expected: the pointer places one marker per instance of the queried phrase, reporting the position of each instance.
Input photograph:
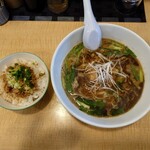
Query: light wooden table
(47, 125)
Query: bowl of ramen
(24, 79)
(107, 87)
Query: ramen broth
(106, 82)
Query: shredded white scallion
(104, 73)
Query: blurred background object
(104, 11)
(127, 6)
(35, 5)
(4, 15)
(57, 6)
(13, 4)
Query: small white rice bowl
(122, 35)
(12, 102)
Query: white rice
(41, 84)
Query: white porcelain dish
(123, 35)
(28, 57)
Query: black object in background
(13, 4)
(35, 5)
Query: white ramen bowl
(7, 61)
(122, 35)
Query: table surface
(48, 125)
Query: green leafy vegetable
(113, 45)
(76, 50)
(135, 72)
(118, 111)
(141, 76)
(69, 78)
(91, 107)
(118, 52)
(110, 52)
(74, 53)
(96, 112)
(128, 52)
(92, 103)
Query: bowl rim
(48, 79)
(128, 122)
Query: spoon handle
(88, 13)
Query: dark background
(104, 11)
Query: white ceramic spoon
(92, 33)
